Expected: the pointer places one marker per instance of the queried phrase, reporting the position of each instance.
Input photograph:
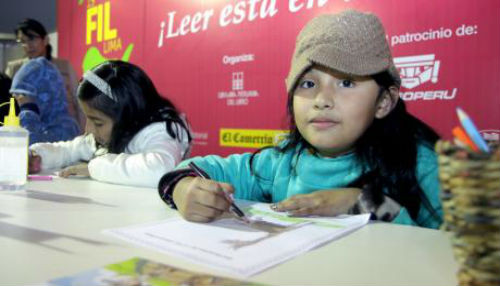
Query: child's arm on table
(150, 154)
(61, 154)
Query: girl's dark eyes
(346, 83)
(306, 84)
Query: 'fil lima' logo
(238, 81)
(416, 70)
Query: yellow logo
(99, 32)
(251, 138)
(98, 21)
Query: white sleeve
(61, 154)
(150, 154)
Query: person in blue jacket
(39, 90)
(352, 148)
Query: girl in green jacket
(353, 147)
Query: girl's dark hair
(138, 103)
(5, 83)
(385, 164)
(32, 29)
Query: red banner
(224, 63)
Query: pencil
(460, 134)
(471, 130)
(39, 178)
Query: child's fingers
(209, 193)
(314, 211)
(294, 203)
(76, 170)
(197, 218)
(303, 212)
(228, 191)
(213, 200)
(206, 211)
(287, 205)
(70, 171)
(32, 154)
(34, 164)
(221, 190)
(317, 211)
(202, 200)
(66, 172)
(227, 188)
(208, 185)
(204, 206)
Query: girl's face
(33, 44)
(332, 110)
(98, 123)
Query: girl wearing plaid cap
(133, 135)
(353, 147)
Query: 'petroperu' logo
(416, 70)
(251, 138)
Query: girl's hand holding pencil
(201, 200)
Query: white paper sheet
(232, 246)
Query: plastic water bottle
(14, 142)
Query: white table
(54, 229)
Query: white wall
(9, 50)
(53, 41)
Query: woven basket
(470, 196)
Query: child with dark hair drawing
(352, 148)
(133, 135)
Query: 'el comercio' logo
(251, 138)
